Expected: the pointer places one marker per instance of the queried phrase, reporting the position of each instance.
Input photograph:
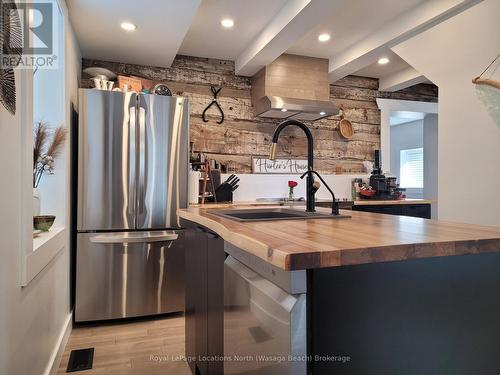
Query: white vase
(36, 202)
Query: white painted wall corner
(58, 351)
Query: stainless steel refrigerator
(132, 177)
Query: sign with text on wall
(278, 166)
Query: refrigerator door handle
(132, 161)
(142, 160)
(134, 237)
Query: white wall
(450, 55)
(31, 318)
(48, 94)
(255, 186)
(431, 160)
(403, 137)
(388, 108)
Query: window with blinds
(412, 168)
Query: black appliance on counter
(386, 187)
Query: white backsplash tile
(254, 186)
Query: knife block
(224, 193)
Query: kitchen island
(371, 294)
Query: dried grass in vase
(47, 146)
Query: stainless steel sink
(265, 214)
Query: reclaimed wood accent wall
(242, 135)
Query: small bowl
(43, 222)
(367, 193)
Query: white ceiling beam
(401, 80)
(402, 28)
(185, 12)
(293, 21)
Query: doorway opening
(409, 146)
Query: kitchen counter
(374, 202)
(364, 238)
(359, 202)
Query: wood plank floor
(146, 347)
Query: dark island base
(436, 316)
(430, 316)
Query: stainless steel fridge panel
(163, 152)
(106, 160)
(119, 277)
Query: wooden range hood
(293, 87)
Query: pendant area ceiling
(375, 70)
(360, 31)
(161, 28)
(207, 38)
(354, 21)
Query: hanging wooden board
(486, 81)
(278, 166)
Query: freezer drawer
(120, 275)
(263, 325)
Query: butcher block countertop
(364, 238)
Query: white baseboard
(57, 353)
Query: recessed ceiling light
(322, 113)
(284, 109)
(383, 60)
(324, 37)
(128, 26)
(227, 23)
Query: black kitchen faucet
(335, 204)
(310, 204)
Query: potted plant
(47, 145)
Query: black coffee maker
(386, 187)
(378, 181)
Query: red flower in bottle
(291, 185)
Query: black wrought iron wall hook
(215, 91)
